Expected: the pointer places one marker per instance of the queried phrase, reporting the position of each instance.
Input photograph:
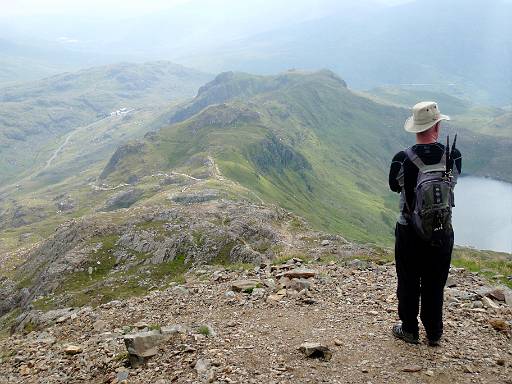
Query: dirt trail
(58, 150)
(351, 309)
(66, 141)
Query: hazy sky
(89, 23)
(11, 8)
(123, 7)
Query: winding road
(58, 150)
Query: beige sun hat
(424, 116)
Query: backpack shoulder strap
(424, 167)
(415, 158)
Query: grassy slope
(310, 145)
(301, 140)
(35, 116)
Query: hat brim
(409, 125)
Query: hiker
(423, 232)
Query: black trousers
(422, 270)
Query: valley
(302, 140)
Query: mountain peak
(233, 85)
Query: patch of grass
(199, 238)
(121, 356)
(154, 327)
(29, 327)
(172, 271)
(204, 330)
(223, 257)
(486, 263)
(102, 261)
(6, 355)
(44, 303)
(153, 226)
(104, 286)
(296, 224)
(7, 320)
(282, 259)
(239, 266)
(328, 259)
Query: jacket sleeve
(396, 172)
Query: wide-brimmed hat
(424, 116)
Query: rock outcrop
(114, 249)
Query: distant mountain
(21, 63)
(464, 114)
(302, 140)
(459, 47)
(35, 116)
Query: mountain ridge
(281, 142)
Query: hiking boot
(434, 343)
(408, 337)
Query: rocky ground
(246, 326)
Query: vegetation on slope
(35, 116)
(308, 144)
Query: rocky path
(209, 331)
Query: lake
(482, 217)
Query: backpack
(431, 213)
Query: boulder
(300, 284)
(489, 303)
(300, 273)
(174, 330)
(508, 297)
(412, 368)
(205, 371)
(245, 285)
(503, 294)
(72, 349)
(500, 325)
(316, 351)
(258, 293)
(122, 375)
(141, 346)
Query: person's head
(425, 122)
(430, 135)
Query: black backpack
(431, 212)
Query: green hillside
(302, 140)
(34, 117)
